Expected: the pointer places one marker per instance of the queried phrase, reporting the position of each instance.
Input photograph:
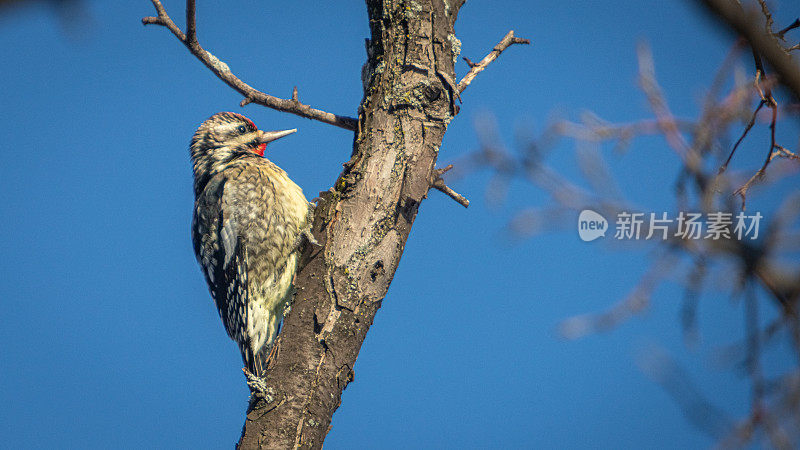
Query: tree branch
(223, 72)
(476, 68)
(747, 25)
(439, 184)
(191, 22)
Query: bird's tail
(260, 360)
(256, 361)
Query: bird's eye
(242, 129)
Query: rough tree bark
(363, 222)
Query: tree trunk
(363, 222)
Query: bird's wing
(236, 295)
(220, 254)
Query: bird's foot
(256, 384)
(305, 233)
(310, 237)
(305, 236)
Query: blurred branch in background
(73, 15)
(699, 410)
(55, 3)
(756, 273)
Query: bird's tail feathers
(260, 361)
(256, 363)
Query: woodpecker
(248, 223)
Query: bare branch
(767, 15)
(774, 148)
(191, 22)
(765, 44)
(223, 72)
(741, 138)
(164, 20)
(475, 69)
(438, 184)
(469, 62)
(790, 27)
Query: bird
(248, 225)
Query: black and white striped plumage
(248, 219)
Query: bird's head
(226, 136)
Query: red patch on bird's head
(260, 149)
(250, 122)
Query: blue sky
(110, 338)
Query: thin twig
(741, 138)
(223, 72)
(783, 152)
(790, 27)
(769, 100)
(191, 22)
(469, 62)
(767, 15)
(438, 184)
(475, 69)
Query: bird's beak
(265, 137)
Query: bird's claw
(305, 235)
(310, 238)
(255, 383)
